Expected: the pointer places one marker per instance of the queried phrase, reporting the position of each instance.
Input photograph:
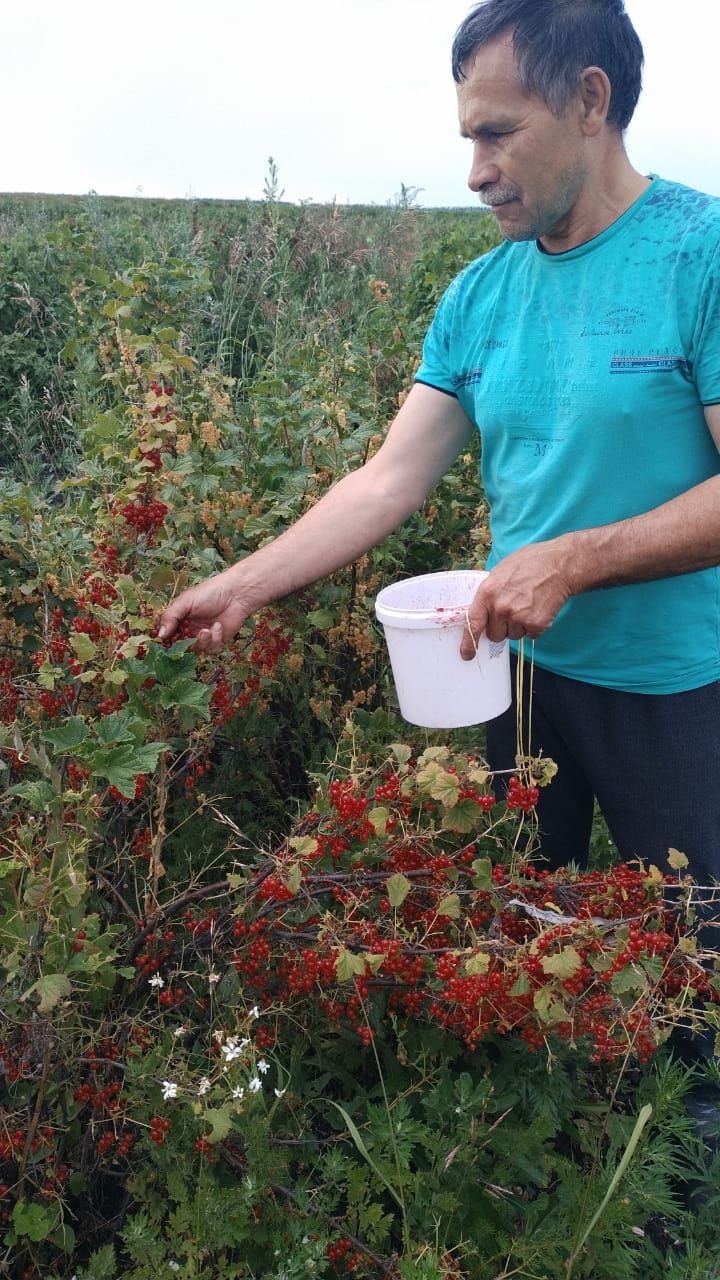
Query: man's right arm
(358, 512)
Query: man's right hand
(213, 612)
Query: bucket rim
(441, 615)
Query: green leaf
(397, 888)
(116, 727)
(8, 866)
(35, 1221)
(105, 427)
(628, 979)
(462, 817)
(68, 735)
(83, 647)
(321, 619)
(186, 694)
(477, 964)
(677, 860)
(63, 1237)
(39, 795)
(402, 753)
(121, 765)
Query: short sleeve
(706, 338)
(436, 364)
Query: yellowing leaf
(482, 869)
(450, 906)
(397, 888)
(374, 961)
(445, 788)
(564, 964)
(521, 986)
(82, 646)
(220, 1119)
(133, 644)
(378, 818)
(433, 753)
(349, 965)
(654, 875)
(548, 1009)
(688, 946)
(478, 776)
(677, 860)
(115, 675)
(52, 988)
(477, 964)
(304, 846)
(401, 752)
(293, 879)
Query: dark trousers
(652, 762)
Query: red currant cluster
(520, 796)
(340, 1254)
(145, 515)
(159, 1130)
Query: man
(585, 350)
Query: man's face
(529, 166)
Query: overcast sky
(351, 97)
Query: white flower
(214, 977)
(254, 1084)
(238, 1092)
(173, 1265)
(203, 1086)
(279, 1092)
(169, 1090)
(156, 981)
(231, 1049)
(263, 1066)
(180, 1031)
(254, 1012)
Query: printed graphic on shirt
(655, 362)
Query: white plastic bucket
(423, 620)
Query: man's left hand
(521, 596)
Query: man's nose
(483, 170)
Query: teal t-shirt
(586, 373)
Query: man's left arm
(523, 593)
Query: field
(284, 993)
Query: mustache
(492, 196)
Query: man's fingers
(476, 623)
(168, 625)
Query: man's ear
(595, 93)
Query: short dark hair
(554, 40)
